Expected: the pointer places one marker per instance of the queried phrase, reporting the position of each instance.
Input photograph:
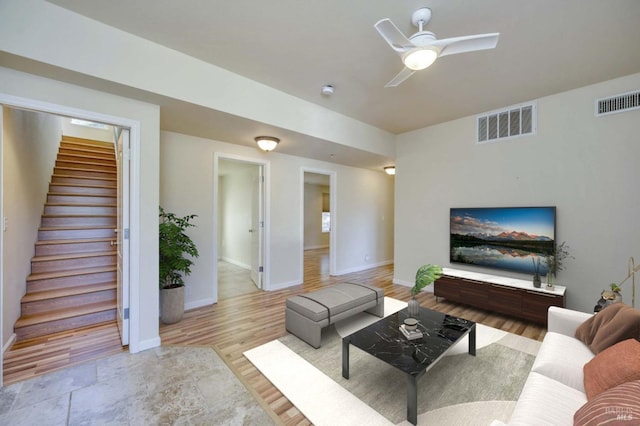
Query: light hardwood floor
(235, 325)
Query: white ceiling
(545, 47)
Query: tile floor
(161, 386)
(234, 281)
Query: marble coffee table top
(384, 340)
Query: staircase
(73, 273)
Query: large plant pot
(171, 304)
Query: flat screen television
(506, 238)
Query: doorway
(240, 211)
(318, 221)
(63, 114)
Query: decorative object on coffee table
(425, 276)
(555, 263)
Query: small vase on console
(551, 280)
(536, 281)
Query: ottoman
(307, 314)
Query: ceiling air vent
(509, 123)
(618, 103)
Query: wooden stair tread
(73, 228)
(79, 216)
(73, 241)
(67, 291)
(69, 273)
(86, 148)
(76, 194)
(84, 255)
(81, 177)
(61, 314)
(78, 185)
(82, 204)
(86, 170)
(85, 154)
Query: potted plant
(175, 249)
(425, 276)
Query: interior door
(257, 227)
(122, 233)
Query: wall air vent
(508, 123)
(618, 103)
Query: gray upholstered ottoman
(307, 314)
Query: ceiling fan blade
(393, 36)
(402, 76)
(451, 46)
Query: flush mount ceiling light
(267, 143)
(390, 170)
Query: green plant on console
(175, 245)
(425, 276)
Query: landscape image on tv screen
(509, 238)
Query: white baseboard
(364, 267)
(147, 344)
(7, 345)
(428, 289)
(199, 303)
(235, 262)
(280, 286)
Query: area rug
(460, 389)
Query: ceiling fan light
(267, 143)
(419, 59)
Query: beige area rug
(458, 390)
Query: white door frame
(1, 244)
(334, 215)
(217, 156)
(134, 205)
(122, 237)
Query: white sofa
(554, 389)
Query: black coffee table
(384, 340)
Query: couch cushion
(615, 365)
(562, 358)
(613, 324)
(618, 405)
(338, 298)
(545, 401)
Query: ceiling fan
(422, 49)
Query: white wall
(364, 207)
(313, 235)
(30, 144)
(235, 198)
(587, 167)
(77, 131)
(144, 225)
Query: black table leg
(345, 357)
(412, 400)
(472, 341)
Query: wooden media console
(510, 296)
